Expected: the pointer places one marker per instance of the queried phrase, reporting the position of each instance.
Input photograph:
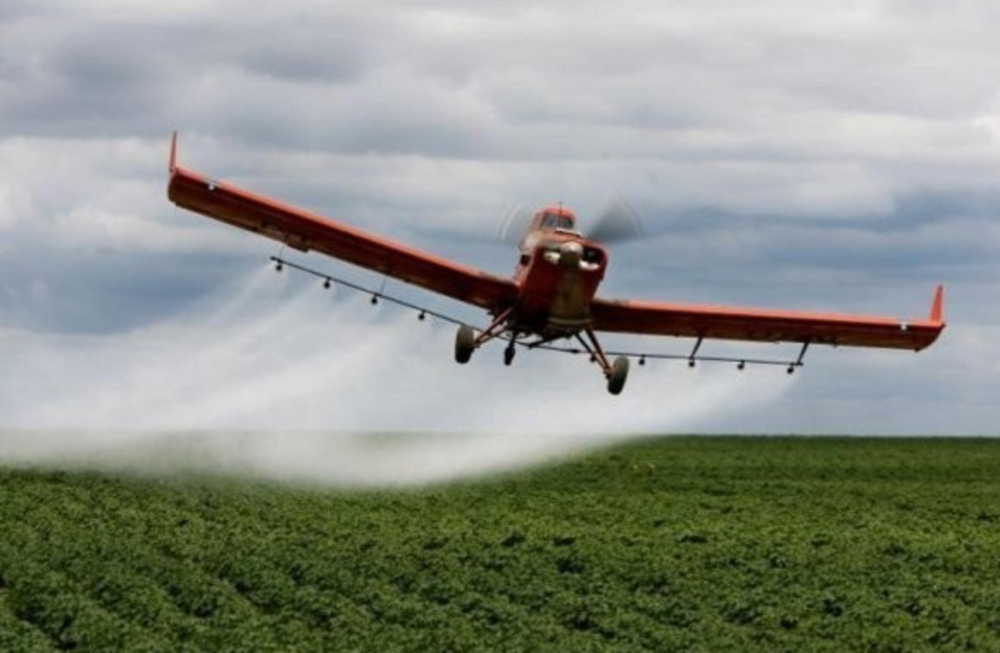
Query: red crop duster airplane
(553, 293)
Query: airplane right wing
(721, 322)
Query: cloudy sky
(835, 155)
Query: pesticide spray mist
(284, 381)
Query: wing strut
(799, 362)
(595, 350)
(495, 329)
(694, 352)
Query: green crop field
(677, 544)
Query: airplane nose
(570, 254)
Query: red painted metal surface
(306, 231)
(696, 321)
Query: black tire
(465, 343)
(618, 376)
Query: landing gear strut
(616, 373)
(467, 341)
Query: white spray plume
(306, 387)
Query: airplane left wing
(306, 231)
(716, 322)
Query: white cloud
(96, 228)
(95, 194)
(15, 204)
(989, 121)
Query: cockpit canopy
(555, 217)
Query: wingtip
(173, 153)
(937, 308)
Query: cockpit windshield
(556, 221)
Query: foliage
(678, 544)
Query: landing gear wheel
(508, 354)
(465, 343)
(619, 373)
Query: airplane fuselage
(557, 275)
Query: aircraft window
(555, 221)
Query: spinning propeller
(618, 222)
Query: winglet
(937, 308)
(173, 153)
